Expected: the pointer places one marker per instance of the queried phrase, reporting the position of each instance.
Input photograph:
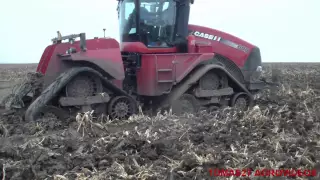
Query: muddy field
(282, 131)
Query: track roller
(213, 109)
(241, 101)
(53, 112)
(121, 107)
(187, 103)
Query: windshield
(154, 25)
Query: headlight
(259, 69)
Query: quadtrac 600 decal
(221, 40)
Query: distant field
(30, 65)
(14, 72)
(11, 74)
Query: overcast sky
(285, 30)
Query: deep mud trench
(282, 131)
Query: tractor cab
(153, 24)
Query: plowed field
(281, 131)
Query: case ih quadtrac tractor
(162, 61)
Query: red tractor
(161, 61)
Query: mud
(11, 75)
(282, 131)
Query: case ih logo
(207, 36)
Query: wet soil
(282, 131)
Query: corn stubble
(281, 131)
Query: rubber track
(54, 88)
(194, 77)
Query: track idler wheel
(241, 101)
(187, 103)
(213, 81)
(121, 107)
(83, 85)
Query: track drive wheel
(121, 108)
(241, 101)
(187, 103)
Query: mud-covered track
(55, 88)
